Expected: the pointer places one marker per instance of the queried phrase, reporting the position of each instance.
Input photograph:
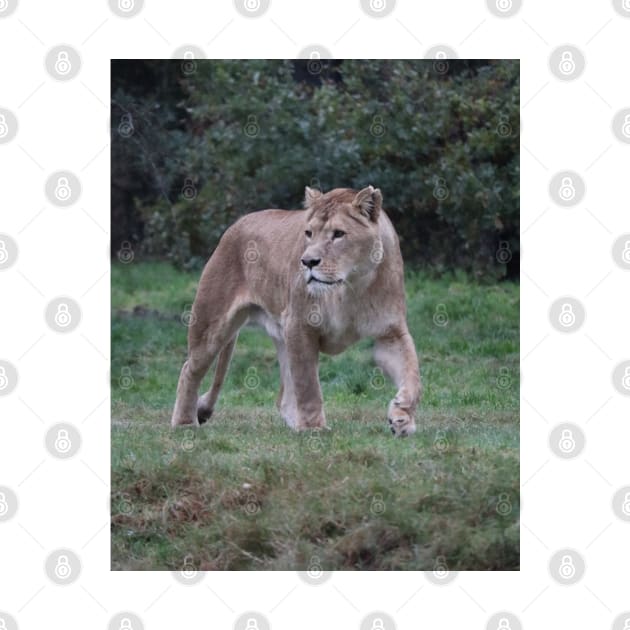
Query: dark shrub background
(197, 144)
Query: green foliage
(442, 146)
(245, 492)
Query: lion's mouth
(318, 280)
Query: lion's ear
(310, 194)
(369, 202)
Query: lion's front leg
(286, 397)
(396, 355)
(303, 359)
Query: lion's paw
(401, 422)
(203, 411)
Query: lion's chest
(338, 332)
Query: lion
(317, 280)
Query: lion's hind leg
(206, 403)
(212, 333)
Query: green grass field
(246, 493)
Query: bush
(440, 140)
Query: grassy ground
(244, 492)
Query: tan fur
(259, 273)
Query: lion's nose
(311, 262)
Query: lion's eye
(338, 234)
(308, 233)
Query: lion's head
(341, 236)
